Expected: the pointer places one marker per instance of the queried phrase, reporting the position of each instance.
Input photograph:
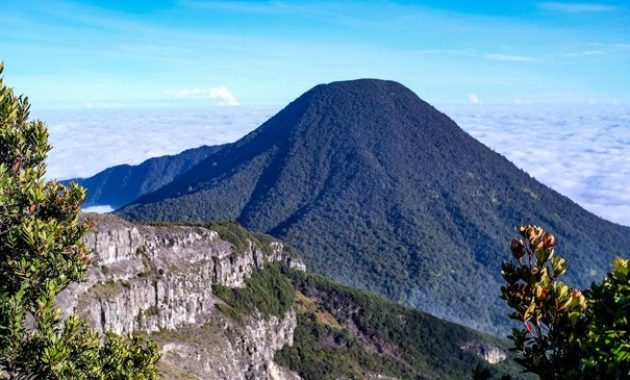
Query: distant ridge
(119, 185)
(380, 190)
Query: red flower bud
(529, 326)
(549, 240)
(544, 293)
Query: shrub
(40, 254)
(566, 333)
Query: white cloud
(509, 58)
(585, 155)
(586, 53)
(222, 94)
(577, 7)
(473, 99)
(99, 209)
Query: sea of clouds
(582, 152)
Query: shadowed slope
(119, 185)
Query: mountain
(224, 303)
(119, 185)
(381, 191)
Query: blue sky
(188, 52)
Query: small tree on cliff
(40, 254)
(566, 333)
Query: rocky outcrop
(158, 279)
(228, 350)
(485, 351)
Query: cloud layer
(224, 96)
(221, 94)
(509, 58)
(582, 152)
(86, 141)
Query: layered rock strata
(158, 280)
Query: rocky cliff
(159, 280)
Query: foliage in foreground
(40, 255)
(566, 333)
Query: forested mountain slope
(381, 191)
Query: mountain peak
(364, 83)
(356, 111)
(365, 89)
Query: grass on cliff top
(234, 233)
(238, 236)
(267, 290)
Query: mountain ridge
(119, 185)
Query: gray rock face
(487, 352)
(227, 350)
(159, 280)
